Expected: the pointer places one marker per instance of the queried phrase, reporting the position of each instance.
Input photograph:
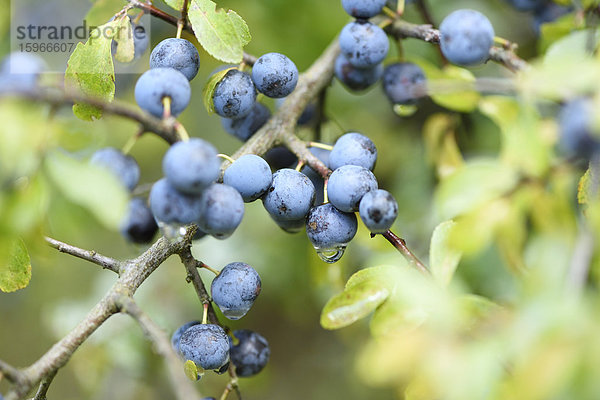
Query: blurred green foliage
(481, 187)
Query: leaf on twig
(90, 70)
(222, 34)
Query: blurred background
(306, 360)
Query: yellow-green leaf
(440, 144)
(89, 186)
(583, 188)
(124, 38)
(473, 185)
(222, 34)
(209, 89)
(526, 142)
(192, 371)
(451, 87)
(175, 4)
(353, 304)
(443, 259)
(15, 265)
(103, 10)
(90, 70)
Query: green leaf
(450, 87)
(175, 4)
(550, 32)
(222, 34)
(15, 265)
(89, 186)
(102, 11)
(209, 89)
(124, 38)
(90, 70)
(353, 304)
(440, 144)
(192, 371)
(525, 143)
(475, 184)
(379, 274)
(583, 188)
(443, 259)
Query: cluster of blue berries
(234, 291)
(351, 188)
(234, 97)
(363, 44)
(174, 63)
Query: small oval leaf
(15, 265)
(353, 304)
(443, 259)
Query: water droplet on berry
(331, 255)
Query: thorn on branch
(88, 255)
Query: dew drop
(331, 255)
(173, 232)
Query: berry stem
(181, 131)
(166, 101)
(400, 7)
(202, 265)
(132, 141)
(325, 197)
(320, 145)
(389, 12)
(138, 18)
(205, 314)
(183, 19)
(226, 157)
(300, 165)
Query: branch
(88, 255)
(191, 266)
(182, 386)
(133, 274)
(10, 372)
(402, 29)
(166, 129)
(400, 244)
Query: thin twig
(402, 29)
(191, 266)
(400, 244)
(44, 386)
(58, 97)
(423, 8)
(182, 386)
(88, 255)
(10, 372)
